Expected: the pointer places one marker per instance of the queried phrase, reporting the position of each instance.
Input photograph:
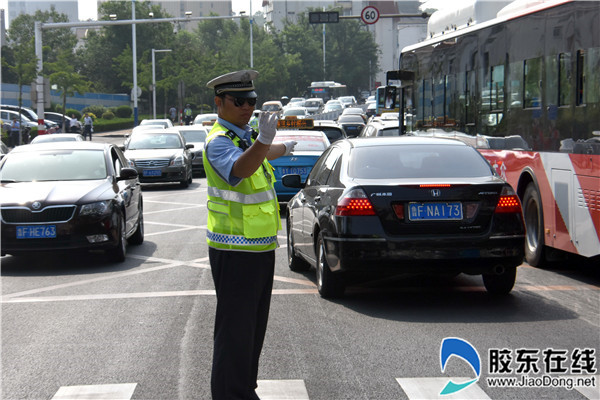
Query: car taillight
(355, 202)
(508, 202)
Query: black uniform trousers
(243, 282)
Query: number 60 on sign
(369, 15)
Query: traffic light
(323, 17)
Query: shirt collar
(242, 133)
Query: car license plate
(152, 172)
(36, 232)
(294, 170)
(435, 211)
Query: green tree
(103, 52)
(63, 75)
(22, 30)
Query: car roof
(196, 127)
(402, 140)
(66, 145)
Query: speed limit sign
(369, 15)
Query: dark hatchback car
(160, 156)
(65, 196)
(389, 206)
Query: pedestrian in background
(74, 125)
(88, 126)
(243, 220)
(187, 114)
(15, 131)
(173, 114)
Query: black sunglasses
(240, 101)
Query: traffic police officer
(243, 220)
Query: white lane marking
(590, 392)
(119, 391)
(292, 389)
(171, 209)
(173, 203)
(430, 388)
(138, 295)
(86, 281)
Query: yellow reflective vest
(243, 217)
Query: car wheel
(118, 252)
(534, 224)
(295, 263)
(329, 284)
(138, 236)
(500, 283)
(185, 183)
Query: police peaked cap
(237, 84)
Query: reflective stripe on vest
(238, 197)
(239, 240)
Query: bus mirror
(390, 97)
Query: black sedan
(70, 196)
(160, 156)
(391, 206)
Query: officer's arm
(276, 151)
(251, 160)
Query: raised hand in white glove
(289, 146)
(267, 127)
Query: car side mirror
(127, 173)
(293, 181)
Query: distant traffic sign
(369, 15)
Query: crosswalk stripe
(291, 389)
(430, 388)
(118, 391)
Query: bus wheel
(534, 223)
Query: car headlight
(177, 161)
(97, 209)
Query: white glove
(267, 127)
(289, 147)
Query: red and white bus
(525, 88)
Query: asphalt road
(81, 327)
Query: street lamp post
(154, 80)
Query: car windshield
(154, 141)
(306, 142)
(332, 134)
(55, 165)
(271, 107)
(416, 161)
(312, 103)
(194, 136)
(351, 118)
(390, 132)
(155, 122)
(294, 111)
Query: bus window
(438, 101)
(497, 89)
(451, 104)
(515, 73)
(564, 79)
(592, 73)
(533, 76)
(579, 98)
